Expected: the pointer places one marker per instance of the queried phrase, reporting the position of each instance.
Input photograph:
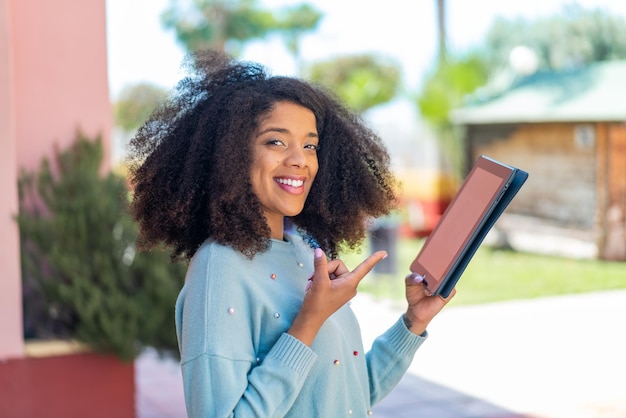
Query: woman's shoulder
(211, 249)
(213, 259)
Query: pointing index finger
(368, 264)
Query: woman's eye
(313, 147)
(274, 141)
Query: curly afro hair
(189, 163)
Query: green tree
(217, 24)
(135, 104)
(228, 24)
(82, 277)
(443, 90)
(573, 37)
(445, 87)
(361, 81)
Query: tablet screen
(472, 203)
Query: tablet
(484, 194)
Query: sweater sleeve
(389, 358)
(220, 387)
(224, 375)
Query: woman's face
(284, 162)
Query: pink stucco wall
(61, 81)
(11, 344)
(53, 82)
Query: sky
(140, 50)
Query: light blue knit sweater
(238, 361)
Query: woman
(259, 181)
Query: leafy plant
(229, 25)
(361, 81)
(445, 89)
(135, 104)
(82, 277)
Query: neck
(277, 228)
(278, 235)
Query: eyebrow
(285, 131)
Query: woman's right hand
(332, 286)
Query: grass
(500, 275)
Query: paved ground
(561, 357)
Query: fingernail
(318, 252)
(384, 256)
(415, 277)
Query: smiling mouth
(290, 182)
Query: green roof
(593, 93)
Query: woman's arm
(393, 352)
(234, 362)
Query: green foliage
(361, 81)
(212, 23)
(228, 24)
(135, 104)
(217, 24)
(573, 37)
(445, 88)
(81, 274)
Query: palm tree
(441, 28)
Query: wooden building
(568, 131)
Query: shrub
(81, 275)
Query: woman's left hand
(422, 306)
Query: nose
(296, 158)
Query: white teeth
(290, 182)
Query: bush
(81, 275)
